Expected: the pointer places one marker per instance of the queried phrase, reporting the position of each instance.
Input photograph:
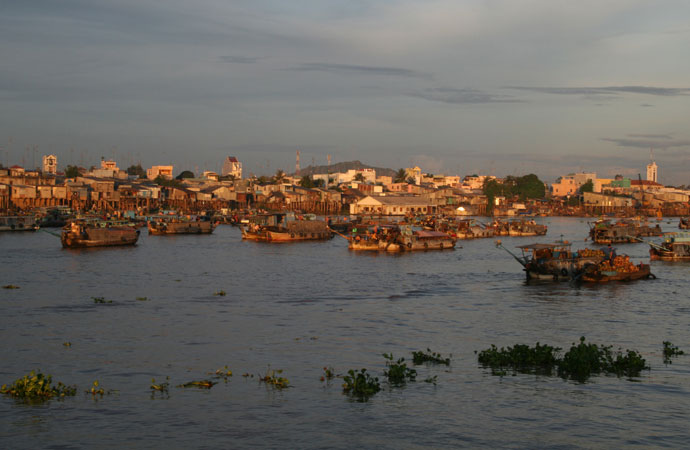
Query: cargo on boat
(518, 228)
(398, 238)
(555, 262)
(285, 227)
(676, 247)
(616, 271)
(166, 225)
(622, 231)
(18, 223)
(80, 234)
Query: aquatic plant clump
(101, 300)
(37, 386)
(429, 357)
(273, 378)
(201, 384)
(540, 359)
(397, 372)
(670, 351)
(360, 385)
(584, 360)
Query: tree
(72, 171)
(359, 177)
(279, 177)
(587, 187)
(529, 186)
(319, 183)
(400, 176)
(185, 174)
(306, 181)
(136, 170)
(410, 180)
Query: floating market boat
(285, 227)
(555, 262)
(676, 247)
(80, 234)
(618, 269)
(620, 232)
(18, 223)
(165, 225)
(399, 238)
(518, 227)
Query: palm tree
(400, 176)
(359, 177)
(280, 176)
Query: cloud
(647, 143)
(461, 96)
(606, 90)
(651, 136)
(349, 69)
(238, 59)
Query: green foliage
(273, 378)
(429, 357)
(574, 200)
(101, 300)
(328, 374)
(10, 286)
(306, 181)
(37, 387)
(587, 187)
(136, 170)
(72, 171)
(223, 373)
(159, 387)
(540, 359)
(160, 180)
(279, 177)
(400, 176)
(410, 180)
(185, 174)
(670, 351)
(431, 380)
(142, 299)
(319, 183)
(584, 360)
(359, 177)
(220, 293)
(360, 385)
(397, 372)
(96, 390)
(525, 187)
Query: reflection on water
(304, 306)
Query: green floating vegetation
(360, 385)
(220, 293)
(540, 359)
(10, 286)
(37, 387)
(100, 300)
(67, 344)
(670, 351)
(159, 387)
(397, 372)
(96, 390)
(328, 373)
(429, 357)
(431, 380)
(273, 378)
(224, 373)
(142, 299)
(201, 384)
(579, 363)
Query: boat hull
(643, 272)
(99, 237)
(169, 228)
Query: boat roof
(541, 246)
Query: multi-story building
(50, 164)
(164, 171)
(231, 166)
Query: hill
(344, 167)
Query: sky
(500, 87)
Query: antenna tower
(297, 164)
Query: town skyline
(452, 87)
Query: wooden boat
(518, 228)
(684, 223)
(676, 247)
(178, 225)
(555, 262)
(18, 223)
(80, 234)
(401, 238)
(622, 231)
(595, 274)
(285, 227)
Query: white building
(231, 166)
(50, 164)
(652, 170)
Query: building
(156, 171)
(569, 184)
(231, 166)
(393, 205)
(50, 164)
(652, 172)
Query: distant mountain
(344, 167)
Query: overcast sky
(505, 87)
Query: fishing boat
(556, 261)
(399, 238)
(285, 227)
(675, 247)
(623, 231)
(80, 234)
(18, 223)
(166, 225)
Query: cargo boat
(555, 262)
(597, 275)
(403, 238)
(18, 223)
(621, 232)
(178, 225)
(676, 247)
(97, 234)
(285, 227)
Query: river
(300, 307)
